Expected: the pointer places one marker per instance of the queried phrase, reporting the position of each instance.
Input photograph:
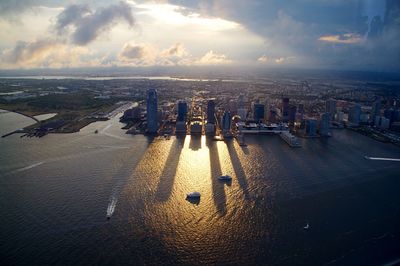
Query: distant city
(217, 107)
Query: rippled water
(56, 191)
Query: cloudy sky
(348, 34)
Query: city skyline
(352, 35)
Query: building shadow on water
(238, 168)
(218, 191)
(164, 187)
(195, 142)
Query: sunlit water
(56, 192)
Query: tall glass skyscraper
(152, 123)
(285, 109)
(211, 111)
(182, 110)
(258, 112)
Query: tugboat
(225, 177)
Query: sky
(337, 34)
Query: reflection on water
(56, 191)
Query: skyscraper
(376, 109)
(285, 109)
(226, 122)
(258, 112)
(311, 127)
(211, 111)
(324, 125)
(292, 113)
(354, 115)
(330, 107)
(152, 123)
(182, 110)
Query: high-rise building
(300, 110)
(311, 127)
(226, 122)
(152, 123)
(324, 125)
(258, 112)
(242, 112)
(241, 100)
(376, 109)
(354, 115)
(211, 111)
(330, 107)
(292, 113)
(182, 111)
(285, 109)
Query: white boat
(225, 177)
(290, 139)
(193, 195)
(306, 227)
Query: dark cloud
(86, 25)
(294, 28)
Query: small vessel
(108, 217)
(225, 177)
(96, 131)
(193, 195)
(306, 227)
(366, 157)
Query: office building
(330, 107)
(285, 109)
(226, 122)
(311, 127)
(292, 113)
(152, 121)
(211, 111)
(376, 109)
(182, 111)
(324, 125)
(354, 115)
(258, 112)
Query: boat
(306, 227)
(193, 195)
(96, 131)
(290, 139)
(225, 177)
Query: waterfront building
(241, 101)
(376, 109)
(242, 112)
(330, 107)
(211, 111)
(258, 112)
(182, 111)
(311, 127)
(324, 125)
(285, 109)
(152, 120)
(300, 111)
(226, 122)
(292, 113)
(354, 115)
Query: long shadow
(195, 142)
(238, 168)
(164, 187)
(218, 191)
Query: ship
(290, 139)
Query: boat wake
(29, 167)
(382, 159)
(111, 207)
